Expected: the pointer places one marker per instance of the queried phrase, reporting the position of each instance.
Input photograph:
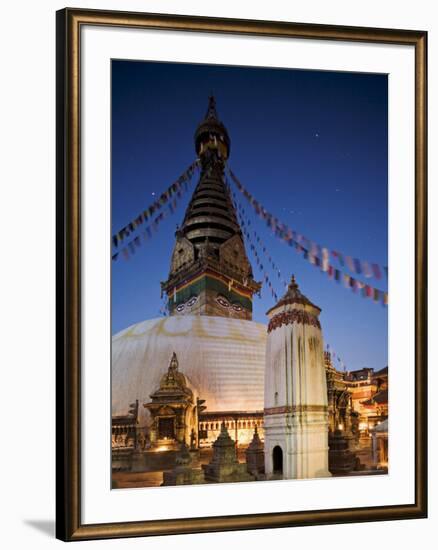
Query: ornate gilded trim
(293, 316)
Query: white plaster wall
(304, 441)
(224, 359)
(293, 370)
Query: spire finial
(293, 284)
(173, 363)
(211, 111)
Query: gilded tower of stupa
(210, 273)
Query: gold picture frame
(69, 23)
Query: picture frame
(70, 300)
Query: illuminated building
(358, 412)
(210, 288)
(369, 396)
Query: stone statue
(193, 439)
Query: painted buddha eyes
(221, 300)
(190, 302)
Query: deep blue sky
(311, 146)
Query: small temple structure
(255, 456)
(295, 414)
(173, 409)
(224, 466)
(183, 473)
(358, 411)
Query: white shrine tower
(295, 413)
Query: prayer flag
(357, 266)
(376, 271)
(314, 249)
(325, 259)
(367, 271)
(350, 263)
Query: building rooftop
(293, 295)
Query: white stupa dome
(223, 358)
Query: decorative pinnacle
(173, 363)
(293, 284)
(211, 111)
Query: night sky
(311, 146)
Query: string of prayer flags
(259, 241)
(333, 273)
(131, 246)
(320, 254)
(336, 357)
(181, 184)
(244, 224)
(339, 276)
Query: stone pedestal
(121, 459)
(255, 456)
(224, 466)
(138, 463)
(341, 459)
(183, 473)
